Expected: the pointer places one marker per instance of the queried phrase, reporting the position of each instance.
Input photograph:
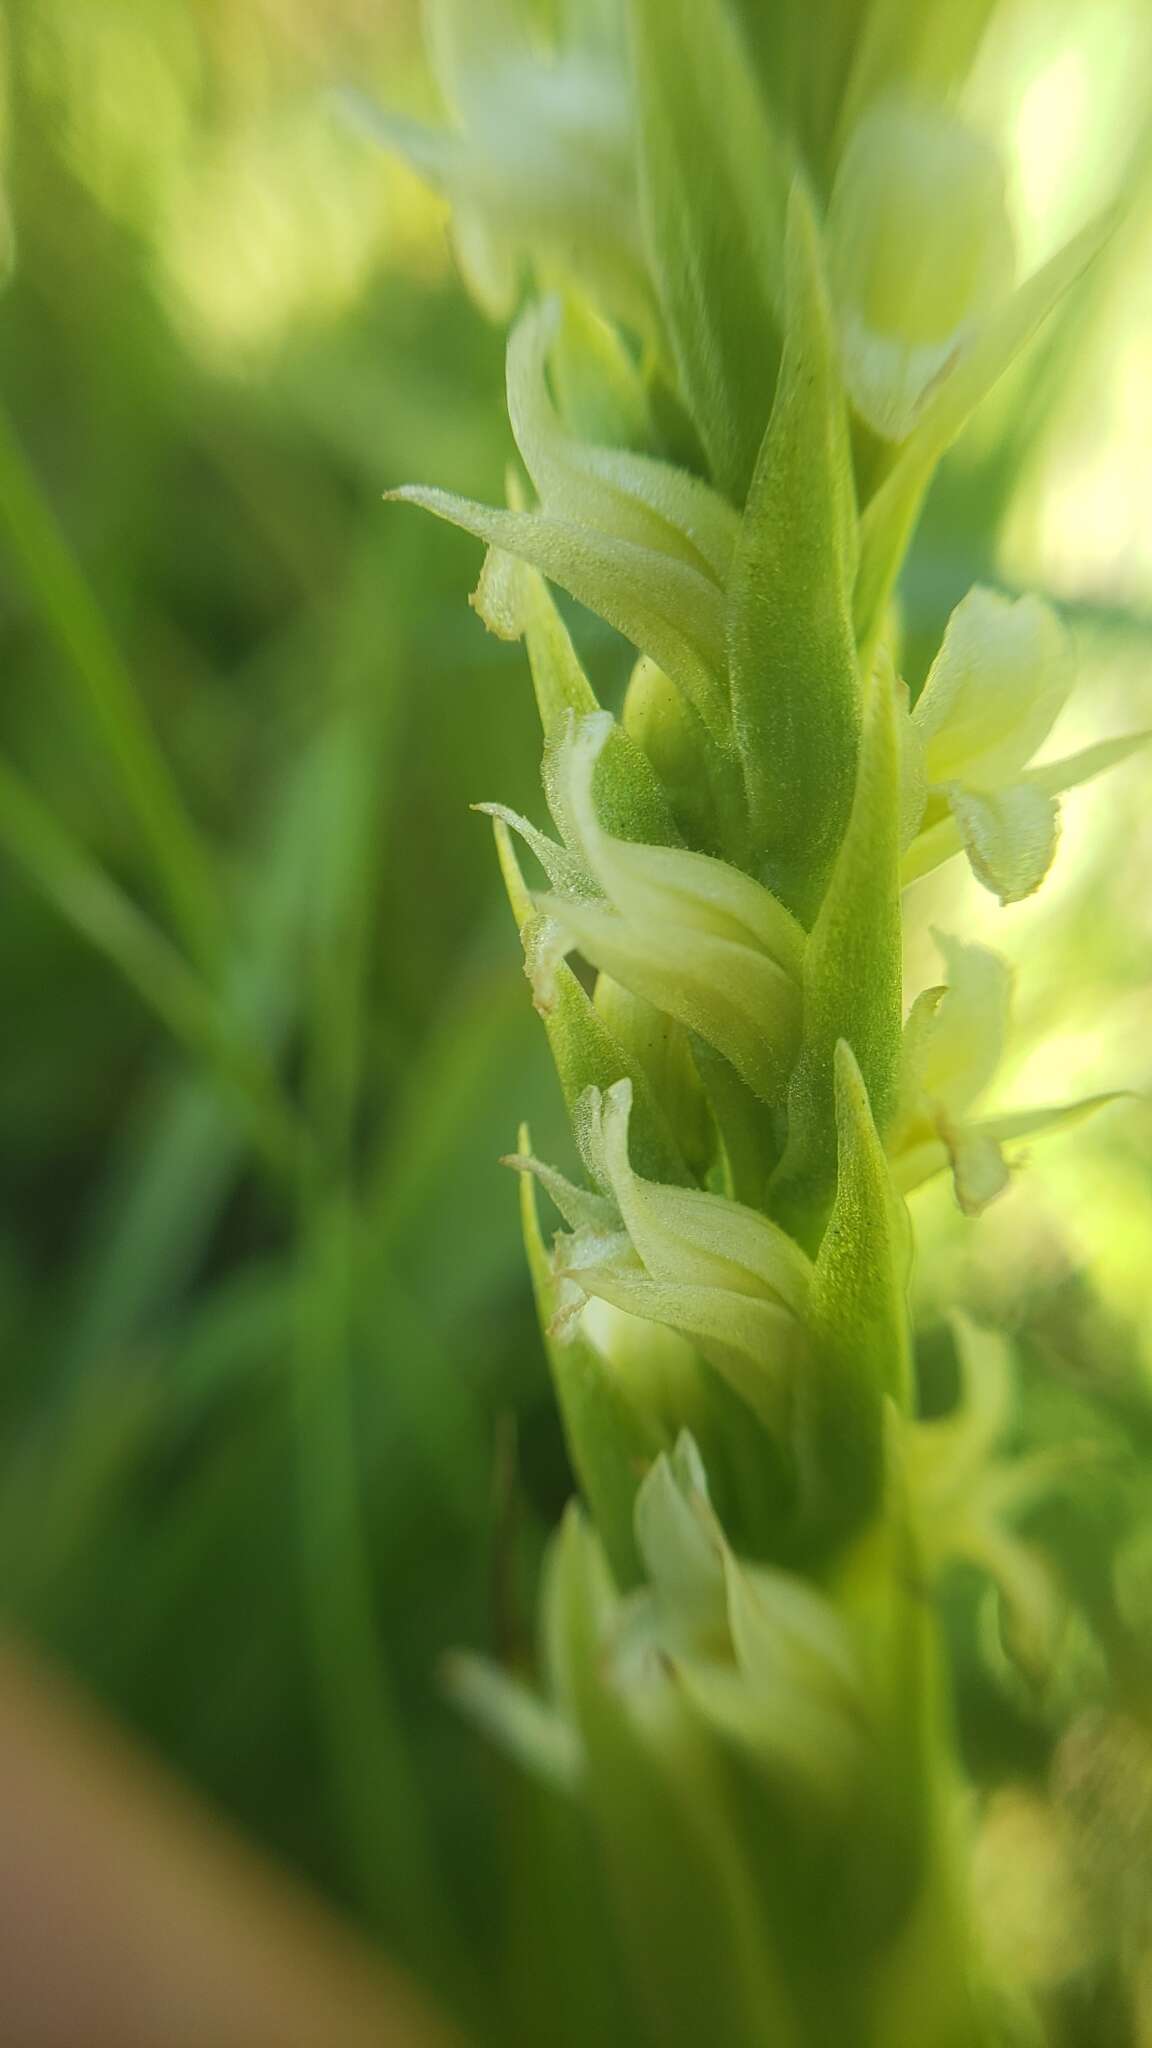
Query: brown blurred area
(130, 1919)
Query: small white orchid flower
(695, 937)
(953, 1044)
(966, 1492)
(1003, 675)
(920, 249)
(721, 1274)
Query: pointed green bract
(851, 973)
(859, 1315)
(791, 653)
(609, 1443)
(713, 214)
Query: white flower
(953, 1044)
(1002, 677)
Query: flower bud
(683, 1551)
(994, 691)
(953, 1044)
(920, 248)
(765, 1660)
(661, 1048)
(659, 1369)
(657, 717)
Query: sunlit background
(271, 1447)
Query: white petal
(920, 247)
(630, 495)
(1002, 675)
(1009, 836)
(684, 1234)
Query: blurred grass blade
(72, 617)
(108, 920)
(180, 1149)
(378, 1800)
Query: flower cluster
(757, 328)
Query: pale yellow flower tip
(920, 248)
(1002, 676)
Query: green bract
(795, 266)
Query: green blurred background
(276, 1430)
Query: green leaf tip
(852, 971)
(608, 1442)
(713, 221)
(792, 658)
